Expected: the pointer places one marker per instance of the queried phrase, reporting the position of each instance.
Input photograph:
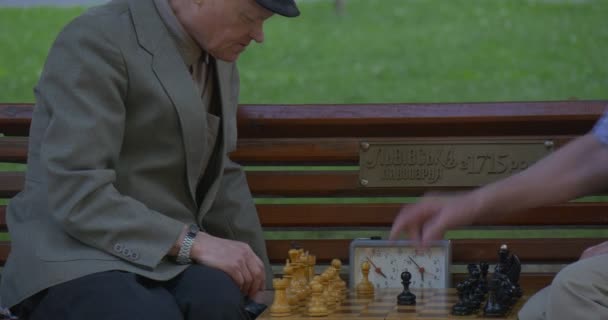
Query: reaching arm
(579, 168)
(576, 169)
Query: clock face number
(427, 267)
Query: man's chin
(228, 57)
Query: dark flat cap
(285, 8)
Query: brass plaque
(445, 163)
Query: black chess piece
(514, 273)
(510, 266)
(461, 308)
(505, 295)
(406, 297)
(493, 307)
(253, 308)
(503, 265)
(483, 279)
(476, 289)
(469, 295)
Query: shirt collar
(188, 48)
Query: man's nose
(258, 34)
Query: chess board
(431, 304)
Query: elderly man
(131, 208)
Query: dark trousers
(200, 292)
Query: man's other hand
(233, 257)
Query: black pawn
(461, 308)
(406, 297)
(493, 306)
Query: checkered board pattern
(431, 304)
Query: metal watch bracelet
(183, 256)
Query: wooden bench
(302, 167)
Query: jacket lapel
(173, 75)
(223, 77)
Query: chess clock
(430, 267)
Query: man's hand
(233, 257)
(601, 248)
(428, 219)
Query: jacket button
(134, 256)
(126, 252)
(118, 247)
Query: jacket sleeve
(84, 87)
(234, 216)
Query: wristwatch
(183, 256)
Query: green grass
(432, 50)
(384, 51)
(25, 38)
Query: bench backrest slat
(418, 120)
(339, 151)
(15, 119)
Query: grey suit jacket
(117, 142)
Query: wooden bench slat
(447, 119)
(382, 215)
(262, 183)
(335, 150)
(15, 118)
(11, 183)
(5, 249)
(277, 183)
(416, 120)
(325, 151)
(3, 227)
(307, 184)
(13, 149)
(529, 282)
(463, 250)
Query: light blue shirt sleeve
(600, 130)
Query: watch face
(193, 230)
(429, 268)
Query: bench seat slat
(382, 215)
(463, 250)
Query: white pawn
(365, 288)
(317, 308)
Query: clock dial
(429, 267)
